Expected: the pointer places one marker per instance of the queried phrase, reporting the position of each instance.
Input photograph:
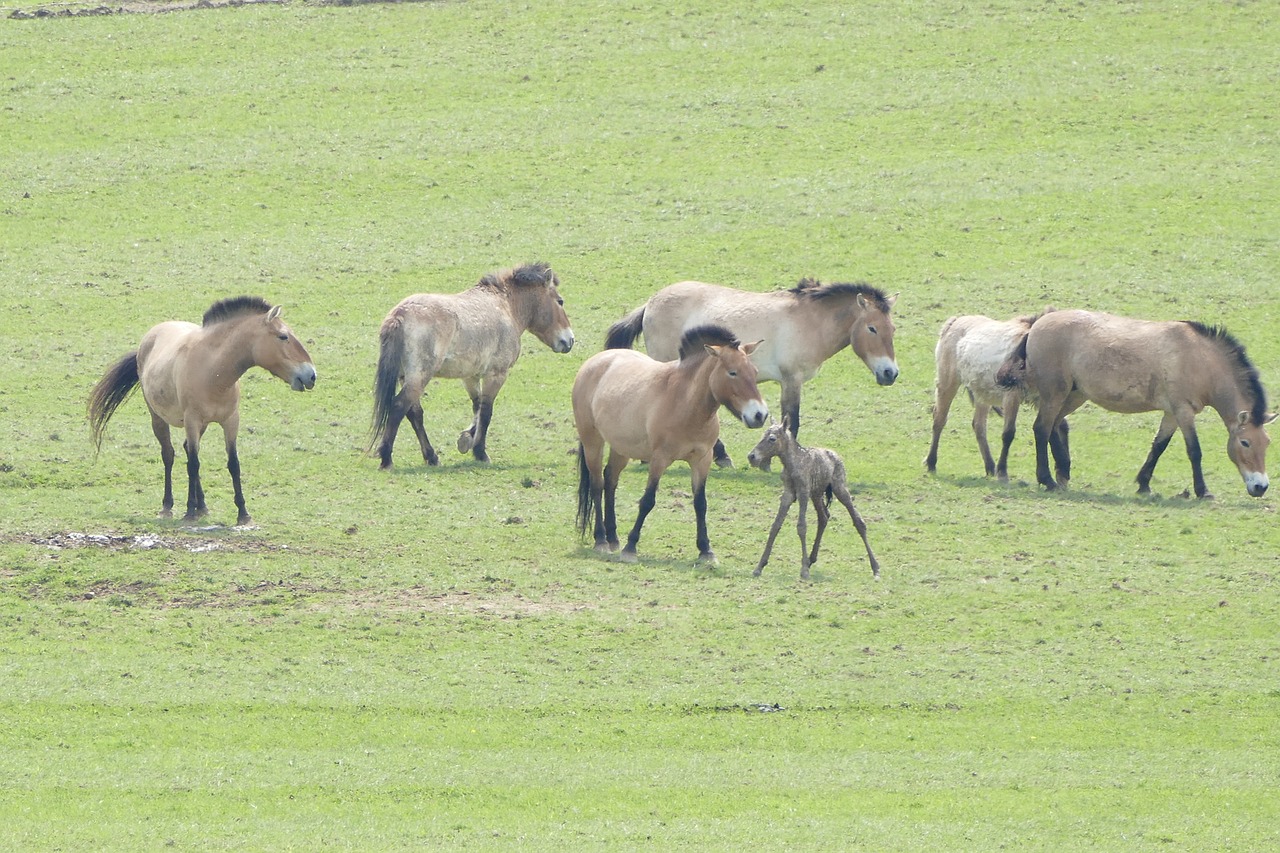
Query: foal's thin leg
(802, 528)
(824, 515)
(161, 429)
(415, 417)
(842, 494)
(783, 506)
(1168, 425)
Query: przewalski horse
(808, 474)
(190, 378)
(970, 351)
(473, 336)
(1128, 365)
(662, 411)
(801, 328)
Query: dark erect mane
(1246, 373)
(693, 341)
(525, 275)
(227, 309)
(811, 288)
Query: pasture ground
(429, 657)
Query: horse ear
(1242, 419)
(712, 349)
(786, 423)
(747, 349)
(1270, 418)
(273, 313)
(892, 299)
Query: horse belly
(161, 357)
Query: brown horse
(190, 378)
(473, 336)
(970, 351)
(662, 412)
(801, 327)
(1128, 365)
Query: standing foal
(815, 474)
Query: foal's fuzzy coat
(815, 474)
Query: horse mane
(525, 275)
(694, 340)
(811, 288)
(228, 309)
(1245, 371)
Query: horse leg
(161, 429)
(1058, 438)
(824, 515)
(783, 507)
(980, 411)
(1011, 403)
(1168, 424)
(467, 438)
(647, 500)
(612, 473)
(1188, 425)
(842, 493)
(415, 417)
(1041, 428)
(230, 429)
(483, 414)
(700, 471)
(943, 394)
(802, 528)
(408, 399)
(195, 492)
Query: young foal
(808, 474)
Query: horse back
(751, 316)
(457, 336)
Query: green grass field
(431, 658)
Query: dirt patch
(141, 7)
(147, 542)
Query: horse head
(772, 444)
(278, 350)
(871, 337)
(548, 320)
(733, 382)
(1247, 447)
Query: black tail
(586, 506)
(390, 368)
(830, 494)
(623, 334)
(112, 389)
(1013, 373)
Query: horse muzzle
(564, 342)
(304, 377)
(886, 374)
(754, 414)
(1256, 484)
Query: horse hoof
(244, 521)
(757, 572)
(724, 462)
(465, 441)
(708, 559)
(628, 556)
(166, 513)
(603, 548)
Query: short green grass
(430, 657)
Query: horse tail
(1013, 372)
(830, 494)
(586, 506)
(623, 334)
(391, 352)
(112, 389)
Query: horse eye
(871, 329)
(1244, 442)
(284, 336)
(733, 373)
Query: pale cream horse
(1127, 365)
(970, 351)
(473, 336)
(663, 412)
(801, 328)
(190, 378)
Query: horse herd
(707, 348)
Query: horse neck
(692, 387)
(522, 303)
(831, 319)
(230, 348)
(1226, 396)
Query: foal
(815, 474)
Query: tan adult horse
(1128, 365)
(969, 353)
(190, 378)
(473, 336)
(660, 411)
(801, 328)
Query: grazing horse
(808, 474)
(970, 351)
(1127, 365)
(801, 327)
(190, 378)
(473, 336)
(662, 412)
